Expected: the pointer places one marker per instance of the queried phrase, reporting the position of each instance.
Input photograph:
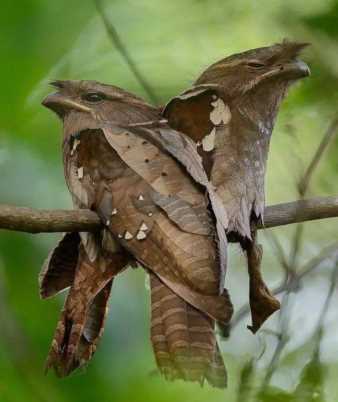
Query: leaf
(311, 385)
(273, 394)
(245, 381)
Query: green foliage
(310, 388)
(246, 376)
(171, 42)
(274, 394)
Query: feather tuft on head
(291, 50)
(58, 84)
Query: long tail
(183, 339)
(82, 319)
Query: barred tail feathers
(183, 339)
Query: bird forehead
(83, 86)
(77, 88)
(284, 50)
(111, 92)
(94, 86)
(67, 87)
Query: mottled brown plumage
(82, 320)
(58, 271)
(230, 113)
(148, 185)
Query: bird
(229, 113)
(147, 183)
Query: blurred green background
(171, 42)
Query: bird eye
(93, 97)
(255, 64)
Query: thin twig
(295, 249)
(333, 283)
(330, 133)
(279, 252)
(121, 48)
(282, 339)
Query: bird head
(256, 81)
(85, 103)
(269, 67)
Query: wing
(140, 192)
(161, 140)
(203, 114)
(58, 270)
(81, 324)
(86, 307)
(190, 111)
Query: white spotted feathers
(141, 233)
(220, 115)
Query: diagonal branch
(279, 251)
(121, 48)
(37, 221)
(327, 138)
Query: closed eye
(93, 97)
(255, 64)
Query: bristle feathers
(59, 84)
(288, 50)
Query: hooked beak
(60, 104)
(293, 70)
(296, 69)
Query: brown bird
(147, 183)
(230, 114)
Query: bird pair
(172, 185)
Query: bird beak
(296, 69)
(60, 104)
(292, 70)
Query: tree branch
(37, 221)
(43, 220)
(121, 48)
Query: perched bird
(230, 114)
(147, 183)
